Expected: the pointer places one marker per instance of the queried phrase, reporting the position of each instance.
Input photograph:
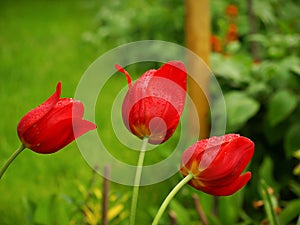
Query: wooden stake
(198, 40)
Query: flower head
(54, 124)
(216, 44)
(232, 10)
(217, 164)
(154, 103)
(232, 33)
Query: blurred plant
(117, 23)
(228, 34)
(84, 208)
(296, 170)
(92, 209)
(261, 91)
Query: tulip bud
(154, 103)
(54, 124)
(217, 163)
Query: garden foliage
(256, 60)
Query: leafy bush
(261, 91)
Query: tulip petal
(81, 126)
(36, 114)
(192, 156)
(217, 164)
(230, 161)
(122, 70)
(222, 190)
(51, 139)
(169, 82)
(155, 118)
(65, 108)
(175, 71)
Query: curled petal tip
(119, 67)
(122, 70)
(58, 88)
(178, 64)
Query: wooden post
(198, 40)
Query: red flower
(217, 164)
(154, 103)
(54, 124)
(216, 44)
(232, 10)
(232, 33)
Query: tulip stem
(10, 159)
(170, 197)
(137, 181)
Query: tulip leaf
(229, 208)
(182, 217)
(290, 212)
(280, 106)
(291, 140)
(41, 215)
(240, 108)
(30, 207)
(269, 203)
(266, 171)
(57, 211)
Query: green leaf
(226, 68)
(266, 171)
(228, 208)
(280, 106)
(296, 154)
(240, 108)
(182, 217)
(30, 207)
(292, 140)
(263, 10)
(290, 212)
(296, 69)
(296, 170)
(41, 213)
(295, 187)
(57, 211)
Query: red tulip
(217, 164)
(54, 124)
(154, 103)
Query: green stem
(11, 158)
(137, 181)
(268, 204)
(170, 197)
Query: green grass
(41, 44)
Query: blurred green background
(43, 42)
